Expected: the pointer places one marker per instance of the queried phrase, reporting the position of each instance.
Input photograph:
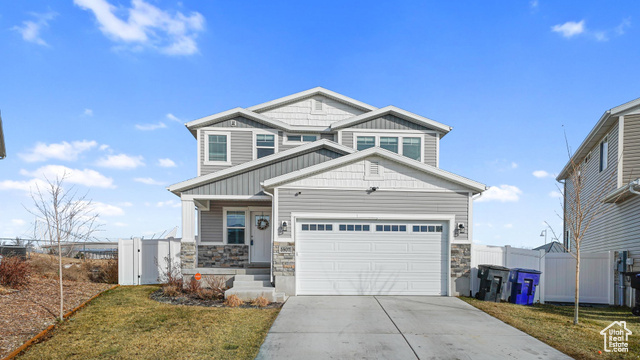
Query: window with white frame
(217, 147)
(604, 153)
(236, 226)
(409, 145)
(427, 228)
(300, 138)
(265, 145)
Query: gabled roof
(233, 113)
(599, 130)
(309, 93)
(3, 150)
(391, 110)
(375, 151)
(552, 247)
(184, 185)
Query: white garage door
(356, 257)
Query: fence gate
(141, 262)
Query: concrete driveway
(394, 327)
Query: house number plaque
(286, 249)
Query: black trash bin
(492, 280)
(635, 283)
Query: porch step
(251, 283)
(249, 294)
(258, 277)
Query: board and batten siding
(248, 183)
(389, 122)
(618, 226)
(211, 221)
(631, 151)
(301, 112)
(331, 201)
(429, 141)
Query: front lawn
(554, 325)
(124, 323)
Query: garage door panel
(371, 262)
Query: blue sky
(101, 88)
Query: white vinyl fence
(557, 282)
(141, 262)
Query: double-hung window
(217, 145)
(265, 145)
(365, 142)
(604, 153)
(236, 225)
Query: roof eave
(308, 93)
(395, 111)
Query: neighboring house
(552, 247)
(3, 150)
(611, 156)
(321, 194)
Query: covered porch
(226, 235)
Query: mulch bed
(185, 299)
(25, 313)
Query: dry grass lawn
(124, 323)
(554, 326)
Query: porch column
(188, 251)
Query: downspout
(632, 184)
(273, 235)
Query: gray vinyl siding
(359, 202)
(241, 151)
(618, 226)
(631, 153)
(241, 122)
(331, 137)
(429, 141)
(248, 183)
(211, 221)
(389, 122)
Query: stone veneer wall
(461, 269)
(223, 256)
(188, 255)
(284, 263)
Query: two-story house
(609, 164)
(320, 194)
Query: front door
(260, 236)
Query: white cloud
(541, 174)
(533, 4)
(104, 147)
(21, 185)
(148, 181)
(514, 165)
(621, 29)
(172, 117)
(502, 193)
(147, 25)
(149, 127)
(555, 194)
(166, 163)
(122, 161)
(125, 204)
(119, 224)
(86, 177)
(87, 112)
(508, 226)
(61, 151)
(168, 203)
(570, 28)
(30, 30)
(18, 222)
(103, 209)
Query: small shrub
(171, 275)
(14, 272)
(217, 284)
(260, 301)
(233, 301)
(101, 272)
(206, 294)
(171, 290)
(193, 286)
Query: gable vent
(318, 105)
(374, 168)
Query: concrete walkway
(394, 327)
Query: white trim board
(206, 160)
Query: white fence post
(141, 262)
(542, 269)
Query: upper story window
(604, 153)
(299, 139)
(407, 145)
(217, 148)
(265, 145)
(365, 142)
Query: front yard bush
(14, 272)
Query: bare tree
(67, 216)
(584, 193)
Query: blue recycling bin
(523, 285)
